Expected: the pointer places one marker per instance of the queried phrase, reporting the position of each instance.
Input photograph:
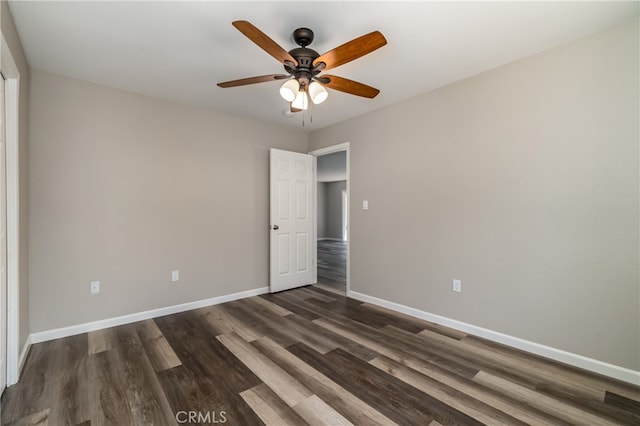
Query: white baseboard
(610, 370)
(24, 353)
(329, 239)
(13, 379)
(43, 336)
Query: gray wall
(330, 209)
(523, 183)
(334, 208)
(332, 175)
(321, 215)
(11, 36)
(125, 188)
(332, 167)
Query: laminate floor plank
(324, 297)
(316, 412)
(144, 393)
(613, 412)
(332, 262)
(34, 393)
(452, 397)
(107, 394)
(304, 356)
(396, 399)
(545, 403)
(594, 384)
(190, 392)
(417, 342)
(331, 339)
(220, 322)
(158, 350)
(70, 359)
(147, 330)
(331, 292)
(273, 307)
(284, 330)
(270, 408)
(253, 325)
(546, 373)
(291, 306)
(622, 402)
(352, 408)
(210, 378)
(399, 318)
(338, 311)
(37, 419)
(190, 337)
(377, 340)
(255, 320)
(360, 312)
(283, 384)
(299, 329)
(445, 375)
(99, 341)
(329, 288)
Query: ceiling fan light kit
(301, 102)
(317, 93)
(289, 90)
(303, 66)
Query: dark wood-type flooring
(332, 264)
(304, 356)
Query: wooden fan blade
(349, 86)
(264, 42)
(292, 109)
(253, 80)
(351, 50)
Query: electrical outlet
(95, 287)
(457, 286)
(175, 276)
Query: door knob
(275, 227)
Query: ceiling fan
(304, 65)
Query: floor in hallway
(332, 264)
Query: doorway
(332, 218)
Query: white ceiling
(179, 50)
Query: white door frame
(345, 215)
(12, 84)
(317, 153)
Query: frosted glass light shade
(317, 93)
(301, 101)
(289, 90)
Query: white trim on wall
(43, 336)
(23, 353)
(12, 106)
(610, 370)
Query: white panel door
(292, 220)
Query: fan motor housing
(304, 56)
(304, 72)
